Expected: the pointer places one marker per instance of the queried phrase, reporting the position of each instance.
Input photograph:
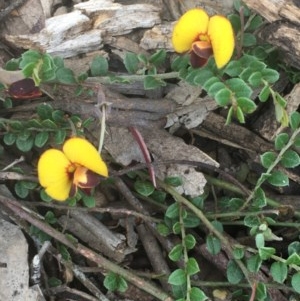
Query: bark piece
(266, 125)
(162, 146)
(57, 30)
(96, 235)
(28, 18)
(117, 19)
(158, 37)
(285, 34)
(14, 274)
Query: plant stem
(185, 253)
(226, 244)
(129, 78)
(272, 166)
(101, 261)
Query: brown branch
(86, 252)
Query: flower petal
(202, 49)
(52, 174)
(82, 152)
(221, 36)
(188, 29)
(85, 178)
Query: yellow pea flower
(77, 165)
(203, 36)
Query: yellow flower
(77, 165)
(203, 36)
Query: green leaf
(279, 271)
(180, 62)
(176, 228)
(196, 294)
(58, 116)
(28, 71)
(281, 101)
(254, 263)
(259, 200)
(131, 62)
(30, 56)
(267, 159)
(264, 93)
(235, 21)
(163, 229)
(223, 97)
(213, 244)
(260, 52)
(241, 7)
(238, 253)
(47, 70)
(189, 241)
(191, 220)
(64, 252)
(58, 61)
(209, 82)
(229, 115)
(177, 277)
(270, 75)
(192, 266)
(255, 23)
(240, 114)
(217, 225)
(172, 211)
(158, 58)
(114, 282)
(176, 253)
(24, 145)
(278, 179)
(290, 159)
(234, 273)
(9, 138)
(233, 68)
(44, 111)
(53, 282)
(17, 125)
(159, 196)
(142, 58)
(50, 218)
(21, 190)
(251, 221)
(266, 252)
(60, 136)
(215, 88)
(151, 82)
(255, 79)
(99, 66)
(281, 140)
(144, 188)
(41, 139)
(293, 259)
(173, 181)
(246, 104)
(65, 76)
(249, 39)
(295, 120)
(260, 240)
(89, 201)
(239, 87)
(49, 124)
(294, 247)
(296, 282)
(44, 196)
(261, 292)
